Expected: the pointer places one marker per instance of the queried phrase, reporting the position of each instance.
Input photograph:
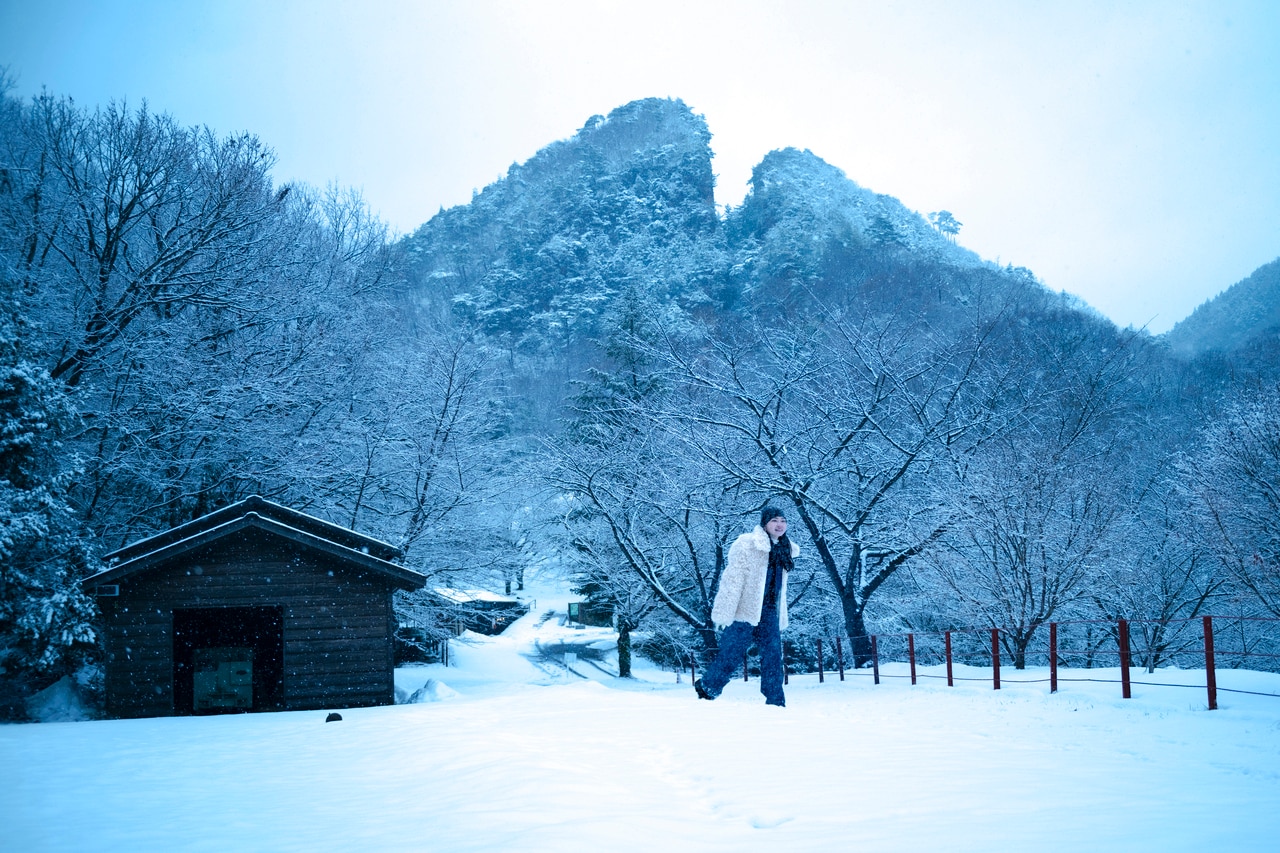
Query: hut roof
(362, 551)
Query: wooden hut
(477, 610)
(254, 607)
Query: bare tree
(224, 337)
(1158, 576)
(1038, 507)
(1233, 478)
(203, 407)
(130, 216)
(427, 438)
(643, 519)
(852, 419)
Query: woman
(751, 604)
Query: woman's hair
(768, 513)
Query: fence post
(744, 667)
(1211, 677)
(875, 659)
(693, 669)
(995, 658)
(840, 656)
(1053, 657)
(821, 675)
(911, 654)
(1125, 689)
(950, 680)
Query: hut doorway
(228, 659)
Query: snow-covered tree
(1038, 507)
(648, 523)
(45, 619)
(946, 223)
(849, 418)
(1233, 477)
(1159, 576)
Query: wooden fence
(1163, 641)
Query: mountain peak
(799, 186)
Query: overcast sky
(1125, 152)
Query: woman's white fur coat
(741, 593)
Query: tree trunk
(856, 627)
(1020, 644)
(624, 649)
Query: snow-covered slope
(520, 752)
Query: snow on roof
(472, 596)
(200, 535)
(255, 504)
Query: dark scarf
(779, 563)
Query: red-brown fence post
(1210, 676)
(840, 656)
(1053, 657)
(744, 667)
(1125, 689)
(875, 659)
(821, 675)
(995, 658)
(911, 654)
(693, 669)
(950, 680)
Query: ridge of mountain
(1242, 319)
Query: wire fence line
(1203, 642)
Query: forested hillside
(591, 363)
(1236, 332)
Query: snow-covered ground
(510, 750)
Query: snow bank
(61, 702)
(432, 691)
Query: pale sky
(1125, 152)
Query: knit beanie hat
(768, 513)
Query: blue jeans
(734, 642)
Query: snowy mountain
(540, 256)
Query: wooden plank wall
(338, 623)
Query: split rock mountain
(539, 258)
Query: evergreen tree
(45, 619)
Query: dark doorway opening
(228, 660)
